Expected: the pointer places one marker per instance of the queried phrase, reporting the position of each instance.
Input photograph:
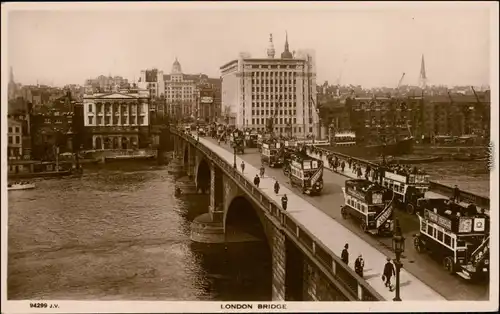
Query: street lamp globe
(398, 243)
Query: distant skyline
(369, 47)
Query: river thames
(117, 234)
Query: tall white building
(180, 90)
(284, 89)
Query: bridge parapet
(468, 197)
(354, 287)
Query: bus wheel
(448, 264)
(418, 245)
(410, 209)
(364, 227)
(344, 213)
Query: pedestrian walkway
(333, 235)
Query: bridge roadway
(331, 233)
(420, 273)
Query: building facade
(281, 89)
(15, 140)
(118, 120)
(105, 84)
(58, 125)
(376, 118)
(181, 92)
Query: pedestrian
(256, 180)
(342, 165)
(359, 264)
(284, 201)
(456, 194)
(345, 254)
(242, 166)
(388, 273)
(360, 173)
(276, 187)
(350, 163)
(262, 171)
(218, 141)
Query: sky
(364, 44)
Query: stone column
(111, 110)
(93, 142)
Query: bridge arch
(246, 235)
(203, 176)
(242, 216)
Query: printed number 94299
(38, 305)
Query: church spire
(286, 54)
(423, 75)
(270, 50)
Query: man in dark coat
(388, 273)
(256, 180)
(345, 254)
(359, 264)
(284, 201)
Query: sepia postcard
(249, 157)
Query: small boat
(20, 186)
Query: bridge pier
(209, 227)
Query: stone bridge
(303, 269)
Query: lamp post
(398, 245)
(234, 155)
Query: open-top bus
(369, 203)
(457, 235)
(251, 138)
(306, 173)
(271, 153)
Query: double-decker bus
(457, 235)
(251, 138)
(370, 204)
(237, 140)
(306, 173)
(271, 153)
(407, 187)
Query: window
(91, 120)
(18, 140)
(430, 231)
(141, 120)
(90, 108)
(440, 235)
(107, 120)
(10, 129)
(447, 240)
(10, 139)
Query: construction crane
(401, 80)
(475, 94)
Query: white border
(186, 307)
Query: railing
(468, 197)
(354, 287)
